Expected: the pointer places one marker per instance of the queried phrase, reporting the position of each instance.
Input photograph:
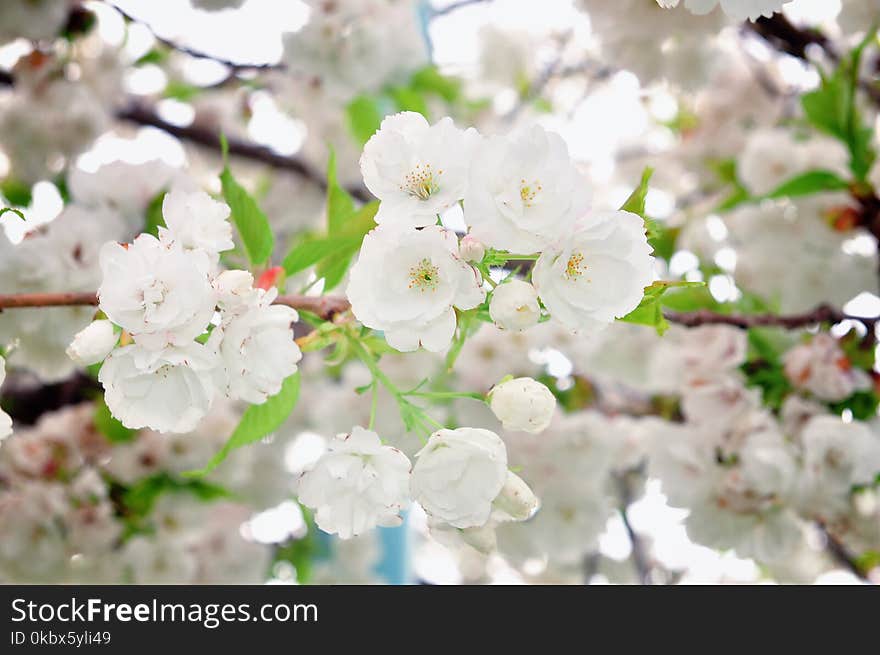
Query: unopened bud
(471, 250)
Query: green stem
(439, 395)
(373, 403)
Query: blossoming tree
(524, 306)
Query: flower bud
(516, 502)
(92, 344)
(523, 404)
(514, 306)
(471, 250)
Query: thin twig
(198, 54)
(842, 556)
(141, 114)
(822, 314)
(324, 306)
(331, 305)
(786, 37)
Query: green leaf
(16, 193)
(140, 498)
(409, 99)
(738, 196)
(808, 183)
(301, 553)
(334, 267)
(833, 109)
(340, 204)
(181, 91)
(650, 310)
(636, 201)
(249, 219)
(12, 210)
(257, 422)
(431, 80)
(364, 117)
(154, 56)
(862, 404)
(346, 227)
(763, 368)
(313, 250)
(109, 426)
(154, 217)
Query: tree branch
(198, 54)
(786, 37)
(328, 306)
(140, 114)
(324, 306)
(842, 556)
(822, 314)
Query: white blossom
(354, 47)
(823, 369)
(161, 560)
(458, 475)
(93, 343)
(358, 484)
(773, 156)
(158, 292)
(257, 348)
(516, 502)
(417, 170)
(598, 274)
(524, 191)
(197, 222)
(471, 249)
(32, 19)
(168, 390)
(523, 404)
(407, 282)
(837, 457)
(514, 306)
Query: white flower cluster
(687, 42)
(352, 47)
(64, 518)
(166, 294)
(460, 479)
(50, 119)
(521, 194)
(751, 480)
(32, 19)
(822, 368)
(575, 467)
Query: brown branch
(822, 314)
(140, 114)
(324, 306)
(786, 37)
(841, 554)
(329, 306)
(23, 300)
(198, 54)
